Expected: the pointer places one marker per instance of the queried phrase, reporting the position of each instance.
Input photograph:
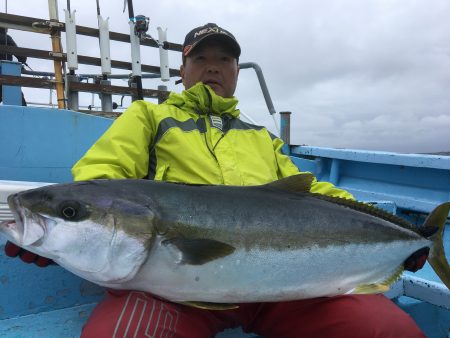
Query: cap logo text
(209, 30)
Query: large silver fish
(221, 244)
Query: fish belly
(260, 275)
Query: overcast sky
(372, 74)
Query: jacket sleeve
(123, 150)
(287, 168)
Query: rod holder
(135, 51)
(71, 40)
(105, 54)
(163, 55)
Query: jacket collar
(202, 99)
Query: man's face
(214, 65)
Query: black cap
(210, 31)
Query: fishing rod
(138, 27)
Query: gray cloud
(368, 74)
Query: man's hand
(12, 250)
(417, 260)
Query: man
(197, 137)
(6, 40)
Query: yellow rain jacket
(193, 137)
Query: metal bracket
(48, 25)
(56, 55)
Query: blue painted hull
(42, 145)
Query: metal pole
(265, 90)
(106, 99)
(262, 83)
(285, 122)
(57, 50)
(161, 98)
(72, 96)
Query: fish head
(98, 233)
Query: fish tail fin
(436, 258)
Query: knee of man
(138, 314)
(378, 316)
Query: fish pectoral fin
(370, 289)
(211, 306)
(199, 251)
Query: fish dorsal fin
(369, 209)
(302, 183)
(297, 183)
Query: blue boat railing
(409, 185)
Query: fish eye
(70, 210)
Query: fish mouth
(14, 228)
(27, 228)
(9, 228)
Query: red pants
(137, 314)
